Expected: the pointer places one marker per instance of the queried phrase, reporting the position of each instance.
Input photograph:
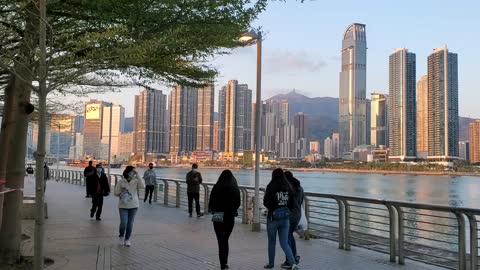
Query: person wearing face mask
(98, 188)
(127, 190)
(150, 179)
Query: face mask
(131, 174)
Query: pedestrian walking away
(30, 172)
(150, 179)
(194, 179)
(223, 205)
(99, 187)
(295, 214)
(46, 176)
(88, 173)
(127, 190)
(277, 200)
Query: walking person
(224, 203)
(99, 187)
(46, 176)
(194, 179)
(88, 172)
(150, 179)
(277, 200)
(127, 190)
(295, 214)
(30, 172)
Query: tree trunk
(4, 135)
(11, 230)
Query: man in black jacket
(98, 187)
(88, 174)
(194, 179)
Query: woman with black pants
(295, 213)
(224, 200)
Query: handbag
(217, 216)
(126, 197)
(281, 213)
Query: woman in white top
(127, 191)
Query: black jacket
(93, 183)
(194, 179)
(224, 200)
(297, 201)
(274, 199)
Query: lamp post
(252, 37)
(109, 140)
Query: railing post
(341, 224)
(177, 194)
(165, 192)
(347, 225)
(245, 206)
(155, 191)
(206, 198)
(401, 235)
(307, 216)
(462, 250)
(393, 223)
(473, 241)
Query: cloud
(287, 61)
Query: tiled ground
(165, 238)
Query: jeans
(291, 239)
(127, 216)
(97, 205)
(223, 231)
(148, 191)
(281, 226)
(191, 197)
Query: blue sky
(302, 45)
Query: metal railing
(438, 235)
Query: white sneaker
(121, 241)
(128, 243)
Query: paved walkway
(165, 238)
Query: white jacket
(133, 187)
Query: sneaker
(121, 241)
(269, 266)
(286, 265)
(297, 259)
(225, 267)
(91, 214)
(98, 218)
(294, 267)
(190, 215)
(128, 243)
(200, 215)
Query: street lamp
(249, 38)
(109, 140)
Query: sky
(302, 44)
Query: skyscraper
(206, 99)
(222, 95)
(464, 150)
(118, 121)
(353, 88)
(474, 129)
(442, 105)
(274, 117)
(402, 110)
(215, 135)
(150, 118)
(422, 117)
(300, 122)
(314, 147)
(379, 120)
(183, 119)
(235, 117)
(328, 149)
(336, 145)
(92, 130)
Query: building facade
(215, 136)
(474, 130)
(353, 88)
(118, 122)
(402, 114)
(205, 129)
(315, 147)
(328, 149)
(125, 149)
(92, 130)
(183, 119)
(336, 145)
(464, 150)
(422, 117)
(443, 124)
(379, 120)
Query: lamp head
(249, 37)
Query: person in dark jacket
(224, 198)
(88, 173)
(194, 179)
(46, 176)
(277, 200)
(98, 188)
(295, 213)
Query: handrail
(446, 236)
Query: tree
(95, 43)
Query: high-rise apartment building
(368, 103)
(402, 113)
(150, 129)
(474, 129)
(183, 119)
(125, 148)
(336, 145)
(235, 117)
(206, 99)
(314, 147)
(215, 135)
(275, 115)
(328, 149)
(288, 145)
(379, 120)
(353, 88)
(92, 129)
(422, 117)
(443, 127)
(464, 150)
(300, 122)
(118, 122)
(62, 127)
(222, 95)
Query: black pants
(97, 204)
(191, 197)
(148, 191)
(223, 231)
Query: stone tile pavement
(166, 238)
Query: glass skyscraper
(353, 84)
(379, 120)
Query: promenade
(165, 237)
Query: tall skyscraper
(206, 99)
(150, 118)
(92, 130)
(474, 129)
(328, 149)
(62, 127)
(353, 88)
(368, 104)
(422, 117)
(314, 147)
(379, 120)
(442, 105)
(402, 111)
(274, 118)
(215, 135)
(118, 121)
(464, 150)
(183, 119)
(235, 117)
(336, 145)
(288, 145)
(301, 123)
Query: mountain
(323, 115)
